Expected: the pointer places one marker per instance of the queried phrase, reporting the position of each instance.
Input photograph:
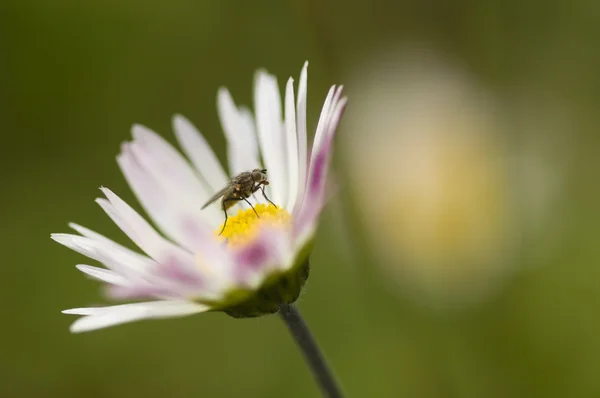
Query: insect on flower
(239, 188)
(185, 268)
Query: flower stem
(313, 356)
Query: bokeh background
(459, 255)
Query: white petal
(238, 126)
(196, 148)
(332, 119)
(121, 261)
(98, 318)
(111, 244)
(242, 145)
(167, 166)
(180, 221)
(292, 144)
(270, 134)
(323, 119)
(91, 234)
(249, 127)
(103, 275)
(302, 140)
(248, 122)
(82, 311)
(138, 229)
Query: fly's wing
(216, 196)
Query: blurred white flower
(258, 263)
(433, 178)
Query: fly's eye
(257, 176)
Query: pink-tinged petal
(176, 279)
(167, 166)
(207, 277)
(180, 272)
(267, 102)
(323, 128)
(197, 149)
(305, 221)
(140, 277)
(302, 140)
(153, 244)
(323, 146)
(179, 222)
(162, 291)
(292, 144)
(143, 291)
(266, 253)
(138, 229)
(171, 280)
(314, 199)
(98, 318)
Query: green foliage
(76, 75)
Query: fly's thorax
(243, 184)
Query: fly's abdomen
(229, 203)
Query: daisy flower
(260, 260)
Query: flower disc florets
(280, 287)
(243, 227)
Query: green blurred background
(75, 75)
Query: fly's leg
(262, 189)
(225, 211)
(225, 223)
(250, 204)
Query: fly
(240, 188)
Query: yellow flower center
(244, 226)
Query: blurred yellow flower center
(244, 226)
